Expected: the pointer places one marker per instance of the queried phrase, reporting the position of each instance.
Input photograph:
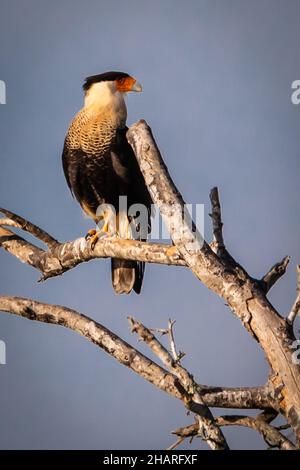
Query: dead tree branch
(30, 228)
(193, 400)
(218, 243)
(239, 397)
(270, 434)
(274, 274)
(61, 257)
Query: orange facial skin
(125, 84)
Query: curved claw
(94, 240)
(90, 234)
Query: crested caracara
(100, 166)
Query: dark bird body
(100, 166)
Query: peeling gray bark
(239, 398)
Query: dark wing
(132, 184)
(130, 178)
(71, 159)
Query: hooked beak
(136, 87)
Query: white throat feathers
(103, 97)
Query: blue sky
(217, 93)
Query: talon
(94, 238)
(90, 234)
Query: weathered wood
(64, 256)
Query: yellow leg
(93, 235)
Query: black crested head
(103, 77)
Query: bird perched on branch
(100, 167)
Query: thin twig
(283, 427)
(176, 356)
(296, 307)
(269, 433)
(274, 274)
(194, 402)
(217, 245)
(9, 223)
(30, 228)
(169, 331)
(176, 444)
(273, 438)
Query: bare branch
(161, 331)
(274, 274)
(177, 356)
(169, 331)
(23, 250)
(61, 257)
(283, 427)
(9, 223)
(218, 243)
(176, 444)
(239, 397)
(64, 256)
(194, 402)
(296, 307)
(30, 228)
(195, 251)
(187, 431)
(270, 434)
